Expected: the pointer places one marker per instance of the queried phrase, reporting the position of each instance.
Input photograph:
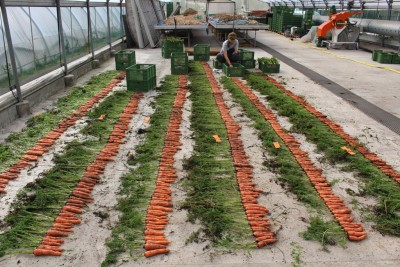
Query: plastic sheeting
(35, 37)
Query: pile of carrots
(339, 210)
(381, 164)
(43, 144)
(255, 213)
(160, 203)
(81, 195)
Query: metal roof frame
(52, 3)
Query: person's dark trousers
(232, 57)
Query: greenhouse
(199, 133)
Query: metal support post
(389, 11)
(11, 50)
(61, 37)
(108, 24)
(90, 28)
(121, 19)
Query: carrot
(151, 232)
(155, 238)
(67, 220)
(73, 200)
(56, 233)
(157, 212)
(72, 209)
(354, 233)
(262, 233)
(63, 225)
(68, 215)
(266, 242)
(46, 252)
(150, 226)
(153, 246)
(61, 229)
(53, 239)
(54, 248)
(50, 242)
(357, 238)
(155, 252)
(265, 237)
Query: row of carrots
(339, 210)
(160, 203)
(255, 213)
(81, 195)
(41, 147)
(381, 164)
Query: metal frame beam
(52, 3)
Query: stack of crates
(170, 47)
(297, 20)
(270, 19)
(141, 77)
(385, 57)
(375, 54)
(282, 17)
(179, 63)
(170, 8)
(124, 59)
(395, 58)
(202, 52)
(247, 59)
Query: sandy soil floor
(86, 246)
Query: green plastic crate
(124, 59)
(201, 57)
(174, 44)
(141, 72)
(236, 71)
(178, 58)
(396, 58)
(246, 54)
(217, 64)
(202, 49)
(375, 54)
(180, 69)
(384, 57)
(141, 86)
(248, 64)
(269, 68)
(167, 51)
(171, 47)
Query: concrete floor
(352, 69)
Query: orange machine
(343, 32)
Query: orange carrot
(72, 209)
(46, 252)
(153, 246)
(56, 233)
(156, 233)
(155, 252)
(54, 248)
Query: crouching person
(230, 50)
